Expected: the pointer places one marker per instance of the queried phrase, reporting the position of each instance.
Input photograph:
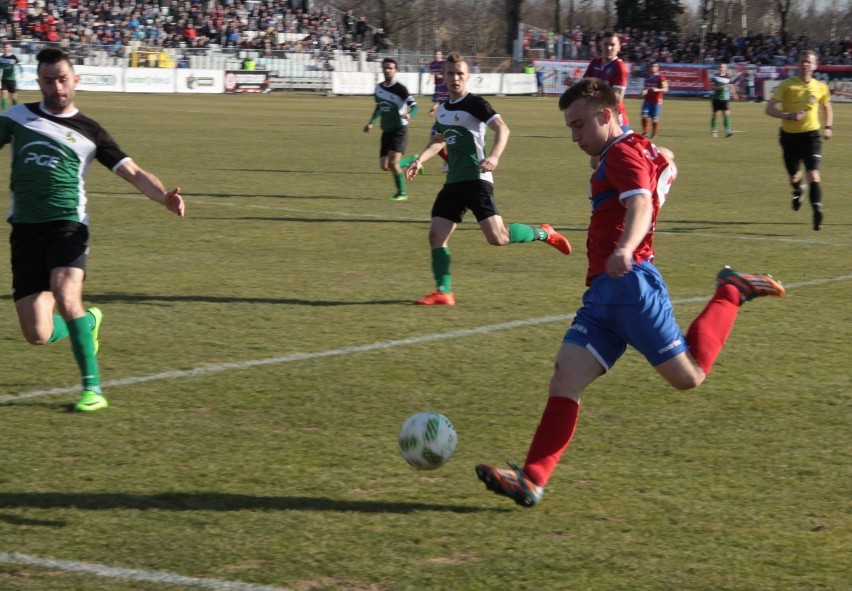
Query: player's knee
(34, 338)
(688, 382)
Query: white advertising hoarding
(411, 80)
(519, 84)
(100, 79)
(149, 80)
(353, 82)
(484, 83)
(200, 81)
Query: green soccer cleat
(99, 317)
(90, 401)
(399, 197)
(406, 162)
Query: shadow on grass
(178, 501)
(142, 298)
(17, 520)
(326, 220)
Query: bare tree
(783, 12)
(513, 16)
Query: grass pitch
(261, 354)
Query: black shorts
(37, 249)
(394, 141)
(720, 105)
(801, 147)
(456, 198)
(10, 85)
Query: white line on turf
(131, 574)
(416, 340)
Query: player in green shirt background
(723, 90)
(9, 66)
(395, 106)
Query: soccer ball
(427, 440)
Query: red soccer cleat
(556, 240)
(437, 298)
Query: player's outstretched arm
(152, 187)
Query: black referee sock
(815, 194)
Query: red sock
(710, 329)
(655, 126)
(554, 433)
(644, 126)
(443, 154)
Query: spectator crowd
(264, 26)
(271, 26)
(715, 47)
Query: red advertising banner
(686, 80)
(694, 79)
(243, 81)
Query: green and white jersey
(721, 88)
(51, 155)
(393, 102)
(8, 66)
(463, 125)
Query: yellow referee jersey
(794, 95)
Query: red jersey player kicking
(627, 302)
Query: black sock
(815, 194)
(797, 188)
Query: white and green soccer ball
(427, 440)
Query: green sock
(727, 123)
(441, 269)
(3, 104)
(713, 124)
(400, 183)
(83, 346)
(60, 329)
(14, 102)
(523, 233)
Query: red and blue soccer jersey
(616, 74)
(436, 68)
(629, 166)
(655, 81)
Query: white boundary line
(132, 574)
(380, 345)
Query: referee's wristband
(826, 126)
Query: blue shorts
(632, 310)
(652, 110)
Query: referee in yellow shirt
(795, 103)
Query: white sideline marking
(131, 574)
(443, 336)
(200, 371)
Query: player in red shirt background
(655, 87)
(627, 302)
(611, 69)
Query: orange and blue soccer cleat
(751, 285)
(512, 483)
